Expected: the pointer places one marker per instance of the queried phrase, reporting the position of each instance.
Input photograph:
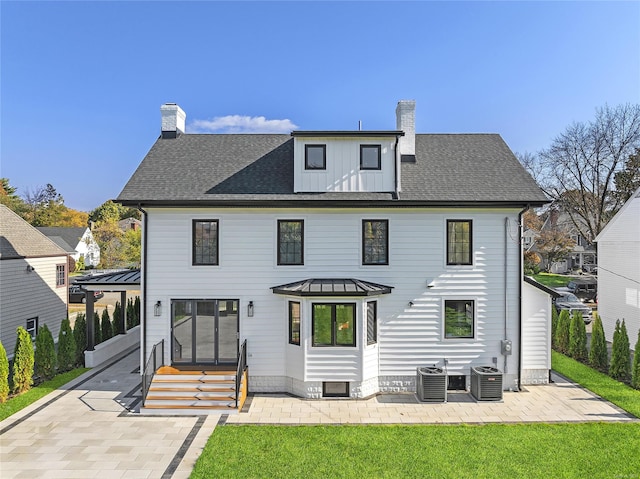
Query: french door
(204, 331)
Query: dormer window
(315, 157)
(370, 157)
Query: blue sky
(82, 82)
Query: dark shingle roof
(249, 168)
(18, 239)
(332, 287)
(65, 237)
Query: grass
(573, 450)
(552, 280)
(17, 403)
(488, 451)
(614, 391)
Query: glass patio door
(204, 331)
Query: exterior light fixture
(411, 304)
(157, 308)
(250, 309)
(30, 269)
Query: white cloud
(241, 124)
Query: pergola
(121, 281)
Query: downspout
(506, 284)
(143, 274)
(520, 276)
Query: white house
(33, 280)
(77, 241)
(344, 259)
(619, 270)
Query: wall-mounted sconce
(431, 283)
(411, 304)
(250, 309)
(30, 269)
(157, 308)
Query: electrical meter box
(507, 347)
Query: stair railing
(156, 360)
(242, 366)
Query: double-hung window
(290, 242)
(334, 324)
(32, 327)
(60, 275)
(459, 319)
(294, 323)
(205, 242)
(315, 157)
(459, 242)
(370, 157)
(375, 242)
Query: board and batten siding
(26, 295)
(619, 270)
(408, 336)
(343, 171)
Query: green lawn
(486, 451)
(17, 403)
(552, 280)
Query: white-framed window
(61, 277)
(32, 327)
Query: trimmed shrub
(554, 326)
(130, 314)
(4, 374)
(45, 355)
(578, 338)
(598, 355)
(97, 331)
(620, 367)
(635, 369)
(562, 332)
(136, 311)
(80, 336)
(118, 325)
(23, 358)
(105, 326)
(66, 347)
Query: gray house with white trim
(342, 260)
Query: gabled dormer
(354, 161)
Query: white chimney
(173, 120)
(406, 121)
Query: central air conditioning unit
(486, 383)
(431, 384)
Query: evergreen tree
(577, 338)
(105, 325)
(97, 331)
(80, 335)
(23, 359)
(4, 374)
(562, 332)
(136, 310)
(130, 314)
(117, 319)
(45, 355)
(620, 367)
(598, 355)
(635, 370)
(66, 347)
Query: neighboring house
(33, 280)
(582, 257)
(77, 241)
(619, 270)
(130, 224)
(344, 259)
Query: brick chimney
(173, 120)
(406, 121)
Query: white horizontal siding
(343, 171)
(619, 271)
(408, 336)
(27, 295)
(536, 329)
